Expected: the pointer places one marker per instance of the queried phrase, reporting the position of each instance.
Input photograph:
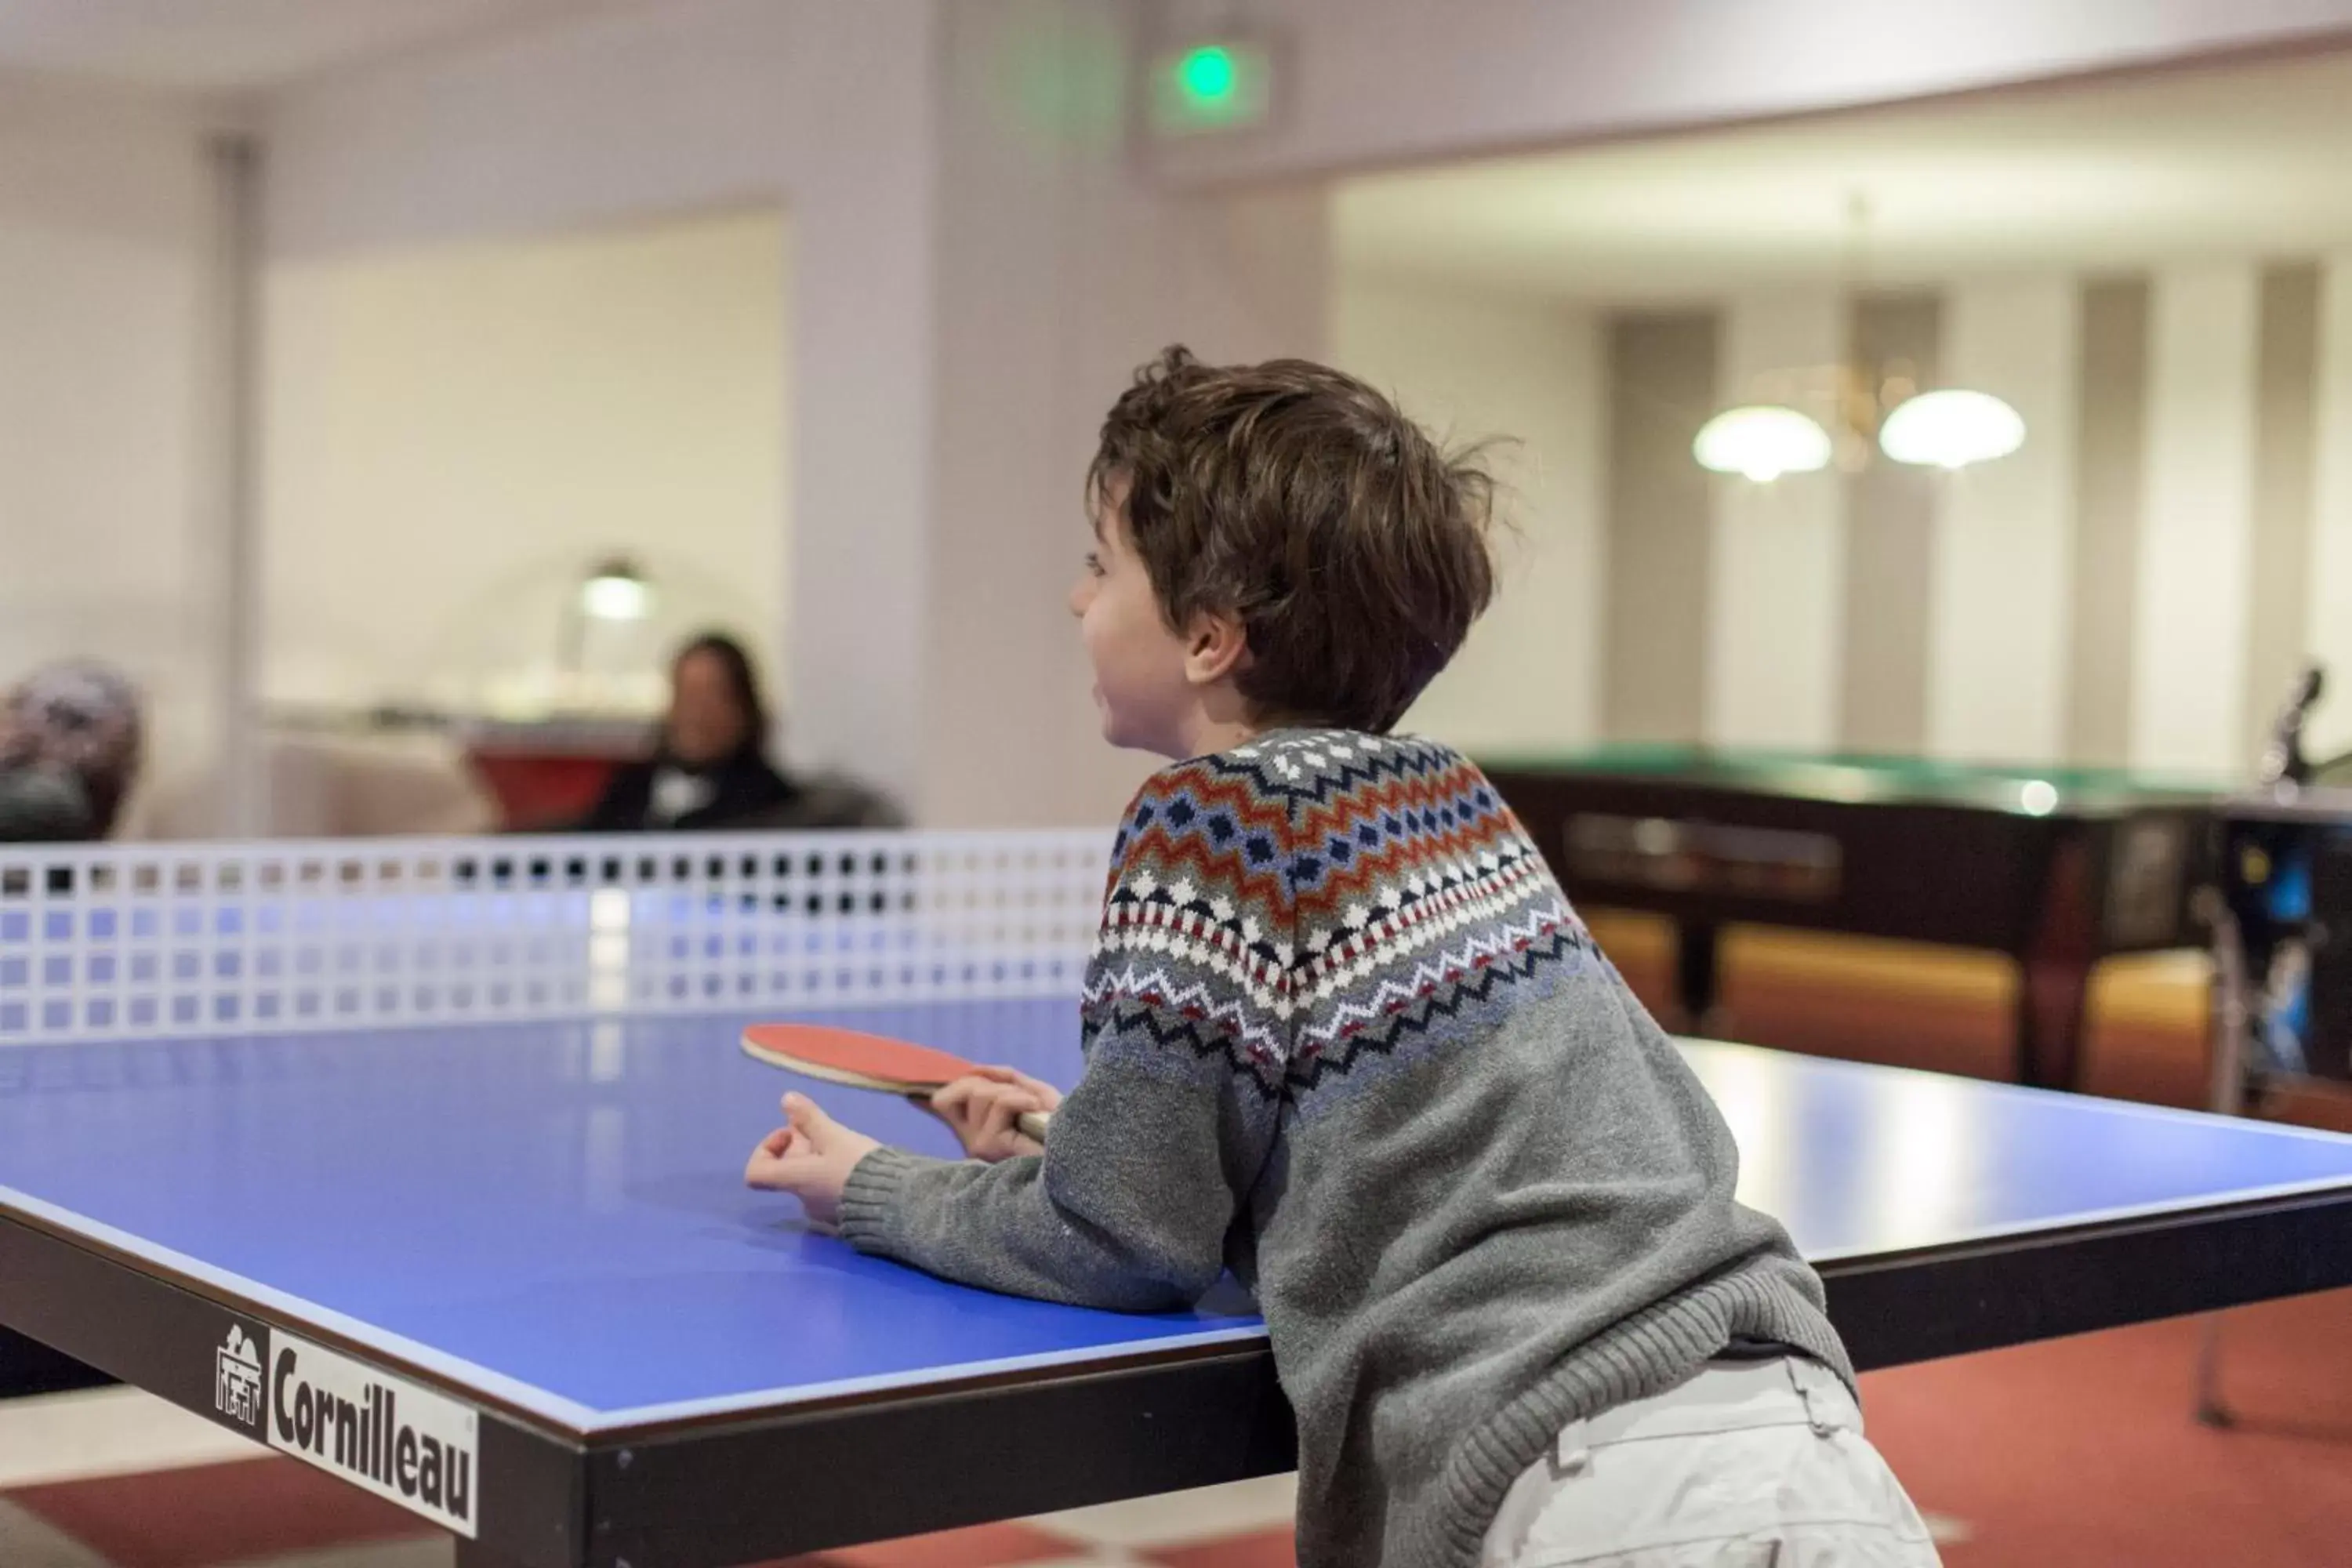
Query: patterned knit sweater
(1345, 1037)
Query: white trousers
(1746, 1464)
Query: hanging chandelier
(1951, 428)
(1880, 411)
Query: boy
(1344, 1035)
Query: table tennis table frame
(718, 1490)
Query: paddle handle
(1029, 1124)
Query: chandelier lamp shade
(1950, 429)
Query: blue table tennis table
(505, 1274)
(540, 1229)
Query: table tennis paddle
(857, 1060)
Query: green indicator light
(1208, 74)
(1210, 86)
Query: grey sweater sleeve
(1127, 1209)
(1185, 1020)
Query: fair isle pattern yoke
(1299, 903)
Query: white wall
(1471, 367)
(1999, 637)
(2189, 657)
(103, 228)
(1007, 703)
(1058, 273)
(642, 113)
(1375, 82)
(1776, 596)
(454, 435)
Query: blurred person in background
(70, 737)
(710, 769)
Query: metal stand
(2227, 1097)
(2285, 797)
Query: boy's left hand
(809, 1157)
(984, 1110)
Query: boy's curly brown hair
(1353, 548)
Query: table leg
(2055, 973)
(1696, 977)
(2049, 1021)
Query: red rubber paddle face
(859, 1060)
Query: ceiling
(2219, 162)
(245, 45)
(2116, 174)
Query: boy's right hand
(984, 1111)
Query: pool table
(2056, 868)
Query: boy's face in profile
(1142, 690)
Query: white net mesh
(104, 941)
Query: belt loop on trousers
(1570, 1452)
(1811, 1381)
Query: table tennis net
(120, 940)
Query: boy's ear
(1216, 646)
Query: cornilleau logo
(236, 1378)
(404, 1443)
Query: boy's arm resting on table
(1184, 1011)
(1128, 1208)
